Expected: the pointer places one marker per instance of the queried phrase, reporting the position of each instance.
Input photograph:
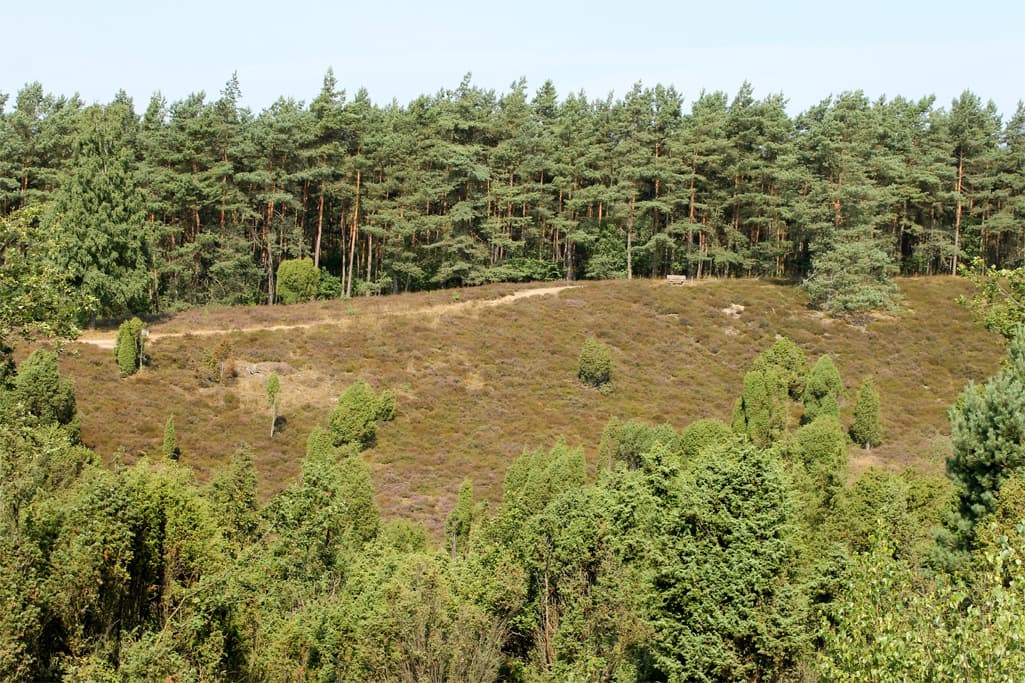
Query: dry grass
(478, 384)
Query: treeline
(199, 200)
(720, 551)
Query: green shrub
(386, 406)
(128, 348)
(595, 366)
(822, 390)
(867, 429)
(627, 442)
(821, 447)
(354, 418)
(42, 392)
(330, 287)
(761, 410)
(789, 361)
(170, 447)
(297, 280)
(701, 434)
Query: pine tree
(867, 429)
(987, 427)
(852, 274)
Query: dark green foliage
(98, 212)
(297, 280)
(170, 445)
(789, 361)
(129, 348)
(232, 492)
(200, 200)
(722, 598)
(867, 429)
(988, 433)
(354, 419)
(703, 434)
(41, 392)
(595, 363)
(822, 390)
(761, 410)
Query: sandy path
(105, 340)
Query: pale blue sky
(802, 48)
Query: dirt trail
(105, 340)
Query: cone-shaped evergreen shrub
(867, 429)
(761, 410)
(353, 421)
(822, 390)
(128, 348)
(38, 387)
(595, 365)
(170, 447)
(789, 361)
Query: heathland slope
(482, 374)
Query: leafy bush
(219, 361)
(330, 286)
(297, 280)
(867, 429)
(821, 448)
(627, 442)
(595, 366)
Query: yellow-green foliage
(702, 434)
(297, 280)
(40, 390)
(789, 361)
(761, 410)
(867, 429)
(595, 364)
(822, 390)
(354, 419)
(128, 349)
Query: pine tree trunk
(630, 240)
(320, 227)
(352, 237)
(957, 213)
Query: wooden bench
(676, 279)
